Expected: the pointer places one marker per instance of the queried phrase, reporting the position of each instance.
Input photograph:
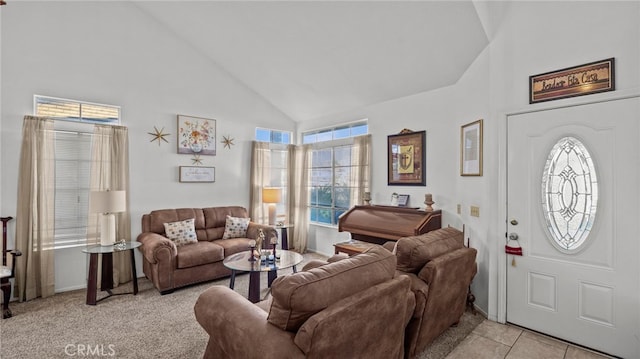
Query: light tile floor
(491, 340)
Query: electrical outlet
(475, 211)
(459, 208)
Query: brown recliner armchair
(441, 269)
(353, 308)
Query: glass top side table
(106, 283)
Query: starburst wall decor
(158, 135)
(227, 141)
(196, 160)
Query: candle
(428, 197)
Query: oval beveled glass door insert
(569, 194)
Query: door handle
(513, 236)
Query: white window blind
(73, 166)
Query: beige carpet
(148, 325)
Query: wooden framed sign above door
(594, 77)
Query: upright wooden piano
(379, 224)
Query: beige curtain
(110, 171)
(35, 218)
(260, 166)
(361, 164)
(299, 167)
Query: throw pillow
(235, 227)
(182, 232)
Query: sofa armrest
(238, 327)
(269, 231)
(156, 247)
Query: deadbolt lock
(514, 222)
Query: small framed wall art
(197, 174)
(406, 155)
(196, 135)
(471, 149)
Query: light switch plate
(475, 211)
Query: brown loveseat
(171, 266)
(353, 308)
(441, 269)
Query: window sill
(324, 225)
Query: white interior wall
(572, 33)
(112, 53)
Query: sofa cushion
(233, 245)
(181, 232)
(415, 251)
(235, 227)
(298, 296)
(199, 253)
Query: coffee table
(240, 262)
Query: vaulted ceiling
(315, 58)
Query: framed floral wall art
(196, 135)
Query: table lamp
(272, 196)
(107, 203)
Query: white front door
(575, 214)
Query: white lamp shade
(271, 195)
(108, 201)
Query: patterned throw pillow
(235, 227)
(181, 233)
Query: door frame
(497, 310)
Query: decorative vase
(196, 147)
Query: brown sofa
(354, 308)
(169, 266)
(441, 269)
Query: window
(335, 172)
(328, 134)
(76, 111)
(73, 161)
(273, 136)
(276, 166)
(569, 194)
(73, 166)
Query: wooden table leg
(271, 275)
(92, 282)
(284, 238)
(107, 271)
(134, 273)
(254, 286)
(232, 281)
